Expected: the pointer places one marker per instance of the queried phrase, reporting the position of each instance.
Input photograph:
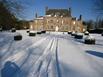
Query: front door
(56, 28)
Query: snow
(86, 32)
(80, 34)
(75, 63)
(73, 32)
(89, 38)
(54, 54)
(32, 31)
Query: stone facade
(57, 18)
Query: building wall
(63, 23)
(52, 23)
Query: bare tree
(10, 11)
(14, 7)
(98, 7)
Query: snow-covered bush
(13, 30)
(102, 34)
(17, 37)
(39, 32)
(69, 32)
(86, 33)
(89, 40)
(79, 36)
(0, 29)
(73, 33)
(28, 31)
(32, 33)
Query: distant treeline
(99, 31)
(94, 26)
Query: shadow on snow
(95, 53)
(10, 70)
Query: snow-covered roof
(40, 18)
(47, 15)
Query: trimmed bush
(13, 30)
(89, 40)
(102, 34)
(43, 31)
(79, 36)
(39, 32)
(27, 31)
(73, 33)
(32, 33)
(86, 33)
(69, 32)
(17, 37)
(0, 29)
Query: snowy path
(51, 55)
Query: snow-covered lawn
(54, 54)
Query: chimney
(36, 15)
(70, 12)
(80, 17)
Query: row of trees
(90, 24)
(98, 11)
(10, 10)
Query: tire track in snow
(44, 71)
(57, 61)
(48, 64)
(51, 67)
(54, 68)
(42, 63)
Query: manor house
(57, 20)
